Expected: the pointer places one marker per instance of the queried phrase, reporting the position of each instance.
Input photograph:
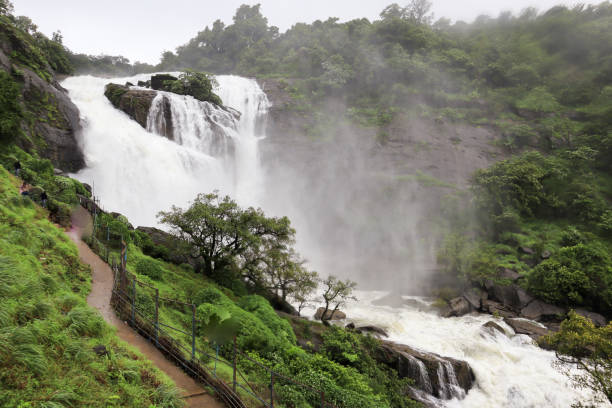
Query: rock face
(337, 315)
(523, 326)
(596, 318)
(59, 134)
(541, 311)
(442, 377)
(458, 307)
(157, 81)
(137, 104)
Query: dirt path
(100, 296)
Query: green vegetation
(345, 367)
(197, 84)
(47, 331)
(579, 344)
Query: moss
(114, 93)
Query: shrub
(151, 268)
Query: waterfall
(191, 147)
(418, 367)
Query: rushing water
(138, 172)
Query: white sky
(142, 29)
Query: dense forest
(540, 80)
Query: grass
(47, 330)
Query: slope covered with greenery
(47, 330)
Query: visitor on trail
(44, 198)
(17, 168)
(24, 189)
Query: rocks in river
(492, 327)
(337, 315)
(496, 308)
(475, 297)
(524, 326)
(135, 103)
(157, 81)
(377, 331)
(144, 84)
(511, 296)
(442, 377)
(458, 306)
(542, 311)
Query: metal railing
(142, 312)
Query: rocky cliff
(52, 124)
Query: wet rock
(459, 306)
(157, 81)
(475, 297)
(492, 327)
(144, 84)
(372, 329)
(541, 311)
(392, 300)
(496, 308)
(442, 377)
(337, 315)
(129, 84)
(524, 326)
(350, 326)
(512, 297)
(597, 319)
(135, 103)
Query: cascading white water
(511, 372)
(138, 173)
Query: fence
(138, 303)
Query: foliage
(582, 346)
(47, 331)
(197, 84)
(10, 109)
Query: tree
(197, 84)
(335, 295)
(6, 7)
(580, 345)
(222, 233)
(417, 11)
(25, 24)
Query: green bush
(151, 268)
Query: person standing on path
(17, 166)
(44, 198)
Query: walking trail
(100, 297)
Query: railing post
(193, 331)
(322, 399)
(235, 363)
(271, 389)
(157, 317)
(216, 358)
(133, 300)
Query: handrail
(126, 304)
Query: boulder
(135, 103)
(526, 250)
(144, 84)
(459, 306)
(545, 255)
(392, 299)
(157, 81)
(372, 329)
(496, 308)
(337, 315)
(597, 319)
(511, 296)
(492, 327)
(524, 326)
(128, 84)
(442, 377)
(475, 297)
(350, 326)
(538, 310)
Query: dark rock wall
(52, 127)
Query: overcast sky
(141, 30)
